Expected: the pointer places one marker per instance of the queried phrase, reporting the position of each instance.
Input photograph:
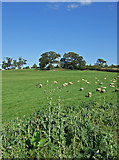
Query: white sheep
(89, 94)
(103, 90)
(55, 82)
(40, 85)
(98, 89)
(66, 84)
(63, 85)
(70, 83)
(81, 89)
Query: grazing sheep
(47, 81)
(104, 87)
(103, 90)
(100, 83)
(111, 83)
(63, 85)
(66, 84)
(55, 82)
(117, 90)
(105, 78)
(82, 79)
(70, 83)
(40, 85)
(114, 81)
(98, 89)
(78, 81)
(112, 86)
(89, 94)
(95, 82)
(98, 80)
(81, 89)
(88, 82)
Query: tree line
(51, 59)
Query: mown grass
(20, 96)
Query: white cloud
(54, 6)
(85, 2)
(73, 6)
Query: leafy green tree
(101, 62)
(48, 58)
(21, 62)
(72, 60)
(34, 66)
(4, 64)
(14, 63)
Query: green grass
(20, 96)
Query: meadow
(53, 121)
(21, 95)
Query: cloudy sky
(89, 29)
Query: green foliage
(72, 60)
(85, 131)
(48, 58)
(34, 66)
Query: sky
(89, 29)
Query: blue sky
(30, 29)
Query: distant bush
(27, 67)
(85, 132)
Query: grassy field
(21, 96)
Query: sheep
(47, 81)
(81, 89)
(104, 87)
(98, 89)
(100, 83)
(117, 90)
(105, 78)
(111, 83)
(63, 85)
(95, 82)
(82, 79)
(55, 82)
(78, 81)
(103, 90)
(98, 80)
(89, 94)
(40, 85)
(66, 84)
(88, 82)
(70, 83)
(112, 86)
(114, 81)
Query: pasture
(21, 94)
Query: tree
(21, 62)
(14, 63)
(72, 60)
(7, 63)
(34, 66)
(4, 64)
(101, 62)
(48, 58)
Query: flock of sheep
(102, 89)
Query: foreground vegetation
(84, 131)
